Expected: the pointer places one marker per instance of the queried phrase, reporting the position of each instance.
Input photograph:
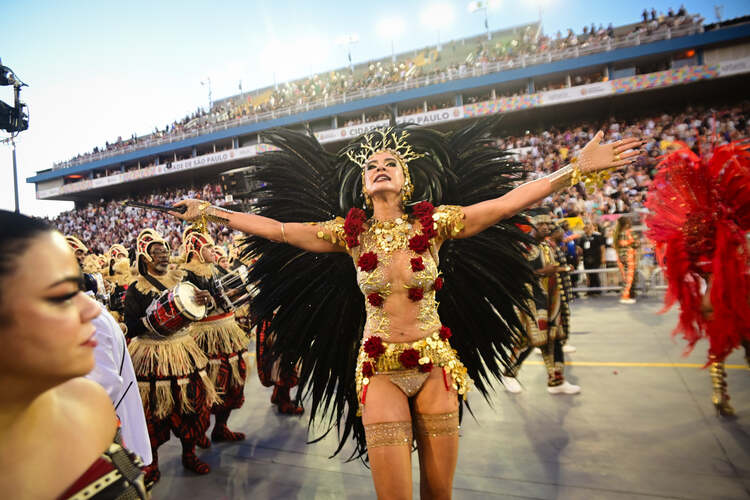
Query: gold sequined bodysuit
(384, 247)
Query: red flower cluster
(367, 370)
(419, 243)
(353, 223)
(438, 285)
(426, 368)
(416, 294)
(374, 347)
(417, 264)
(368, 261)
(375, 299)
(445, 333)
(409, 358)
(423, 211)
(429, 231)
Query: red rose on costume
(374, 347)
(368, 261)
(425, 368)
(423, 209)
(416, 294)
(375, 299)
(428, 230)
(353, 226)
(417, 264)
(445, 333)
(419, 243)
(438, 285)
(409, 358)
(367, 370)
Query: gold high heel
(720, 397)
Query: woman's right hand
(192, 212)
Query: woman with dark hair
(59, 435)
(369, 336)
(626, 244)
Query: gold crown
(384, 140)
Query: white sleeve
(107, 355)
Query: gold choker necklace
(391, 234)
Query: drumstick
(161, 208)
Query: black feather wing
(312, 301)
(480, 311)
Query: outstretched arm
(594, 156)
(304, 236)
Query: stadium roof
(727, 34)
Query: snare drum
(232, 289)
(174, 309)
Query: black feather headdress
(315, 308)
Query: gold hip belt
(409, 363)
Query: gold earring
(368, 201)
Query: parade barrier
(649, 278)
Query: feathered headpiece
(145, 239)
(193, 241)
(700, 214)
(117, 252)
(76, 244)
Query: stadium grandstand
(668, 78)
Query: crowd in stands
(101, 224)
(430, 64)
(700, 129)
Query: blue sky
(97, 70)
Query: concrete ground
(642, 427)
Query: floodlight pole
(15, 172)
(475, 6)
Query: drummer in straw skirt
(218, 335)
(173, 382)
(119, 275)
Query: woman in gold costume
(391, 358)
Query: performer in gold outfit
(405, 376)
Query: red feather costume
(700, 212)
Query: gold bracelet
(561, 178)
(590, 180)
(283, 234)
(207, 211)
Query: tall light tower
(13, 119)
(438, 16)
(481, 6)
(390, 29)
(207, 83)
(348, 40)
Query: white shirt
(113, 370)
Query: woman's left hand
(596, 156)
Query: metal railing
(479, 69)
(648, 277)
